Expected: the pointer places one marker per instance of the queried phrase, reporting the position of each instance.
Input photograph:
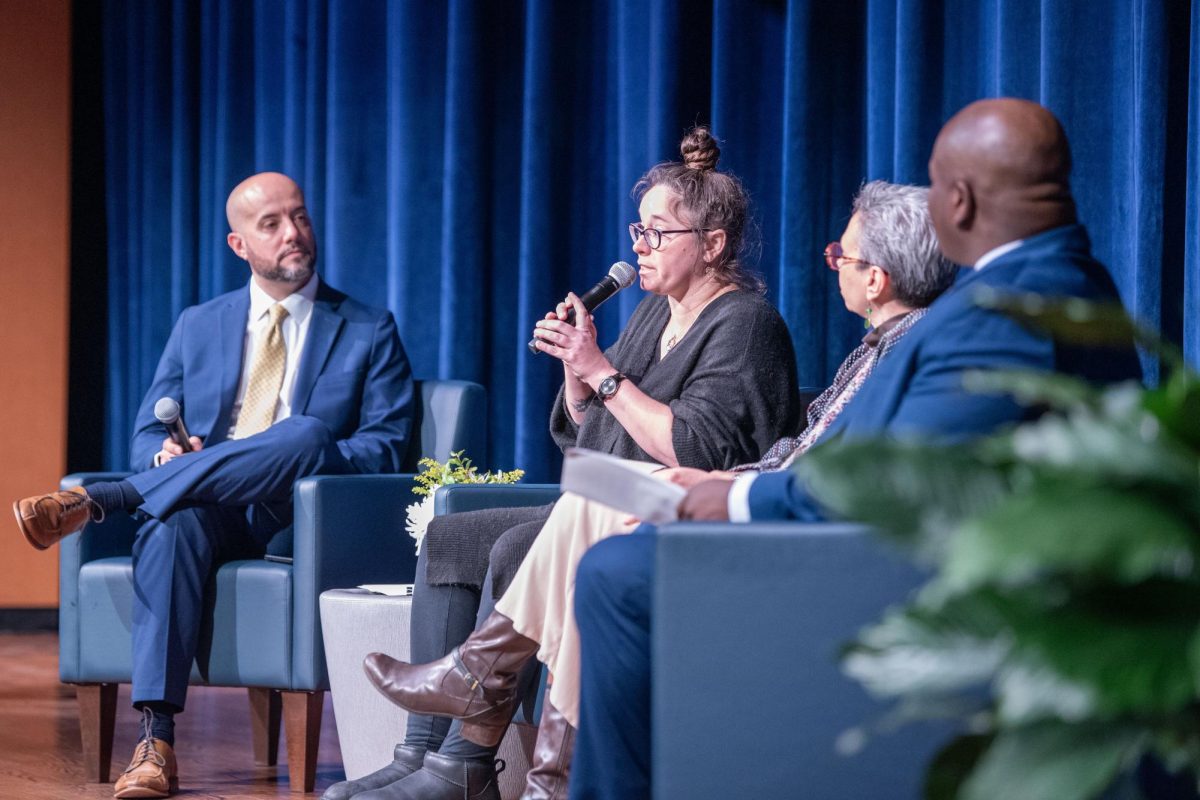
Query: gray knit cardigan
(732, 388)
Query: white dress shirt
(996, 252)
(739, 497)
(294, 327)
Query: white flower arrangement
(458, 469)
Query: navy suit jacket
(918, 389)
(353, 375)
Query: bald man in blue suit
(279, 380)
(1000, 201)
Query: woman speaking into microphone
(703, 375)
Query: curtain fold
(467, 163)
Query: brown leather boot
(151, 773)
(476, 682)
(44, 519)
(548, 776)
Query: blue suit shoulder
(918, 389)
(350, 308)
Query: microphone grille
(623, 274)
(166, 410)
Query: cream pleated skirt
(540, 601)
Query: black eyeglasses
(835, 257)
(653, 236)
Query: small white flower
(419, 516)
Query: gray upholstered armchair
(263, 631)
(748, 699)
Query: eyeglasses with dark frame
(653, 236)
(835, 257)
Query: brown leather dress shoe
(476, 682)
(152, 773)
(44, 519)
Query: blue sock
(158, 722)
(114, 495)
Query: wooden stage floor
(40, 745)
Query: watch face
(608, 387)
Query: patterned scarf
(846, 383)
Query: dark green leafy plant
(1065, 555)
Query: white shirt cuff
(739, 497)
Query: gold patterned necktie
(266, 379)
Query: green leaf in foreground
(1059, 527)
(1054, 761)
(915, 492)
(1079, 322)
(1176, 405)
(916, 651)
(1032, 388)
(952, 764)
(1132, 655)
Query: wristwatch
(608, 386)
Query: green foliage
(458, 469)
(1065, 560)
(1053, 762)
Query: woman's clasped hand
(573, 343)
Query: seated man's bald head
(270, 229)
(248, 195)
(1001, 170)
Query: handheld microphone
(166, 410)
(620, 276)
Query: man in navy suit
(1000, 201)
(279, 380)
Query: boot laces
(73, 500)
(145, 750)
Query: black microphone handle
(591, 300)
(179, 434)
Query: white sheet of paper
(389, 589)
(624, 485)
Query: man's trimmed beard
(277, 273)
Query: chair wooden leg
(265, 707)
(97, 723)
(302, 720)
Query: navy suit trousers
(613, 586)
(222, 503)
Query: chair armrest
(748, 625)
(476, 496)
(349, 530)
(113, 537)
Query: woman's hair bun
(699, 149)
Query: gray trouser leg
(442, 618)
(455, 745)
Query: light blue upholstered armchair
(264, 629)
(748, 699)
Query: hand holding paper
(630, 486)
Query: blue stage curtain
(468, 162)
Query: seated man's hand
(707, 501)
(687, 477)
(171, 448)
